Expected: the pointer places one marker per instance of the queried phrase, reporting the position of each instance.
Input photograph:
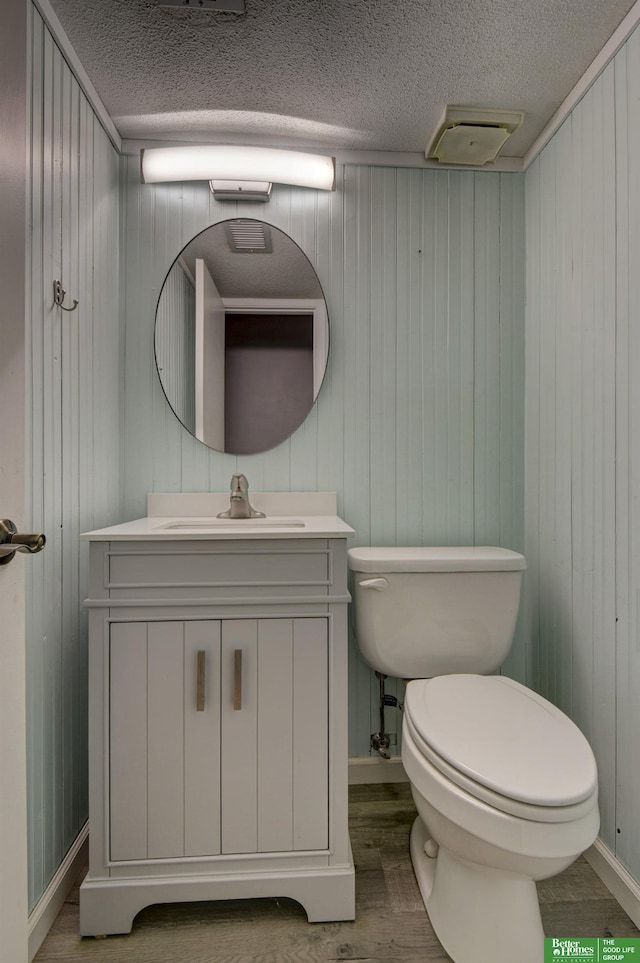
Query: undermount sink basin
(229, 524)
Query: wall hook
(58, 297)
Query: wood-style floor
(391, 923)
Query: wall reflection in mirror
(242, 336)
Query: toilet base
(480, 915)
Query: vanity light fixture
(238, 165)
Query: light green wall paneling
(419, 422)
(73, 435)
(583, 352)
(627, 121)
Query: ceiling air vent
(248, 237)
(471, 136)
(225, 6)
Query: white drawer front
(217, 575)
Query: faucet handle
(239, 483)
(240, 506)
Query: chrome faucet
(239, 504)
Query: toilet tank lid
(449, 558)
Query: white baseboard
(365, 769)
(50, 903)
(616, 878)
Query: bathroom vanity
(218, 708)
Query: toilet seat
(503, 744)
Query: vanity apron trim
(314, 857)
(135, 586)
(287, 577)
(109, 603)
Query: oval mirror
(242, 336)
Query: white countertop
(183, 516)
(176, 527)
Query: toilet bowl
(504, 783)
(512, 802)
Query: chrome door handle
(12, 541)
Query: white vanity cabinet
(218, 724)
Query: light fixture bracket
(241, 190)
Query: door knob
(12, 541)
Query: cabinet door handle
(200, 677)
(237, 679)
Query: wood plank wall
(73, 432)
(582, 445)
(419, 423)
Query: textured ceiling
(333, 74)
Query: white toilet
(504, 783)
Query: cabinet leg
(333, 901)
(106, 911)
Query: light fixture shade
(227, 162)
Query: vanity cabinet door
(164, 763)
(235, 764)
(275, 744)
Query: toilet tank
(423, 612)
